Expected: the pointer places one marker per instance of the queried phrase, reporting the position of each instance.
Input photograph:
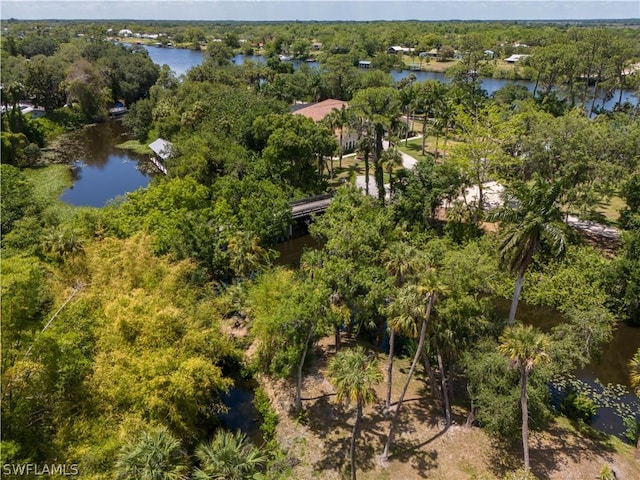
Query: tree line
(113, 319)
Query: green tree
(354, 375)
(526, 347)
(419, 311)
(228, 456)
(380, 106)
(391, 158)
(399, 260)
(152, 455)
(338, 119)
(530, 218)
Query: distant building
(489, 53)
(395, 49)
(125, 32)
(364, 64)
(516, 57)
(316, 46)
(318, 111)
(433, 53)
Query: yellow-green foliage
(157, 352)
(138, 346)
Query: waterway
(103, 172)
(181, 60)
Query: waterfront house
(319, 110)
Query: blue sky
(320, 9)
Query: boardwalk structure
(162, 149)
(303, 210)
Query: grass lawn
(414, 147)
(49, 183)
(429, 64)
(611, 210)
(135, 146)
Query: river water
(102, 171)
(181, 60)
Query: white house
(516, 57)
(395, 49)
(318, 111)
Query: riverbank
(499, 69)
(317, 441)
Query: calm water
(103, 172)
(181, 60)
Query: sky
(320, 9)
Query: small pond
(103, 172)
(242, 414)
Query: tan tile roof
(317, 111)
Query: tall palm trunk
(525, 416)
(336, 333)
(366, 173)
(445, 393)
(516, 296)
(424, 134)
(406, 133)
(433, 385)
(354, 437)
(340, 150)
(396, 415)
(378, 171)
(300, 366)
(392, 341)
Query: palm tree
(526, 347)
(391, 158)
(354, 375)
(152, 455)
(531, 216)
(338, 118)
(365, 147)
(428, 290)
(380, 106)
(246, 256)
(399, 261)
(228, 456)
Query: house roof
(317, 111)
(161, 147)
(515, 57)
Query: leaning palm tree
(152, 455)
(228, 456)
(428, 290)
(526, 347)
(530, 217)
(354, 375)
(399, 260)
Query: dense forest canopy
(116, 322)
